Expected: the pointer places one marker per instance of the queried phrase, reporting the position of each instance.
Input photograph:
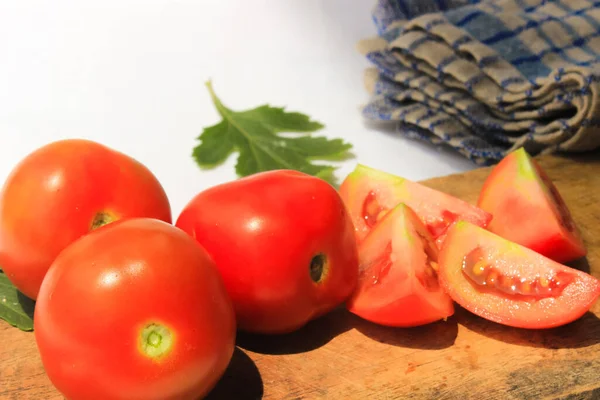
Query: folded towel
(487, 77)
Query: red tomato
(510, 284)
(283, 243)
(369, 194)
(529, 210)
(62, 191)
(134, 310)
(398, 284)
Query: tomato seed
(479, 267)
(372, 211)
(430, 279)
(482, 273)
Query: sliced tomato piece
(398, 284)
(510, 284)
(529, 210)
(369, 193)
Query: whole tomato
(134, 310)
(62, 191)
(283, 243)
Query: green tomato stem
(101, 219)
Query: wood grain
(343, 357)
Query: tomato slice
(529, 210)
(510, 284)
(398, 283)
(369, 194)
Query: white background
(130, 74)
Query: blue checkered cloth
(488, 77)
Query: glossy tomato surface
(398, 284)
(529, 210)
(62, 191)
(507, 283)
(283, 243)
(369, 194)
(134, 310)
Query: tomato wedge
(398, 283)
(369, 194)
(529, 210)
(510, 284)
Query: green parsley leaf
(15, 307)
(256, 136)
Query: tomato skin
(529, 210)
(53, 195)
(263, 231)
(103, 289)
(517, 310)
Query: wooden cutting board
(343, 357)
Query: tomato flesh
(529, 210)
(369, 194)
(398, 283)
(283, 242)
(61, 192)
(510, 284)
(134, 310)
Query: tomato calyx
(102, 218)
(318, 267)
(155, 341)
(480, 272)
